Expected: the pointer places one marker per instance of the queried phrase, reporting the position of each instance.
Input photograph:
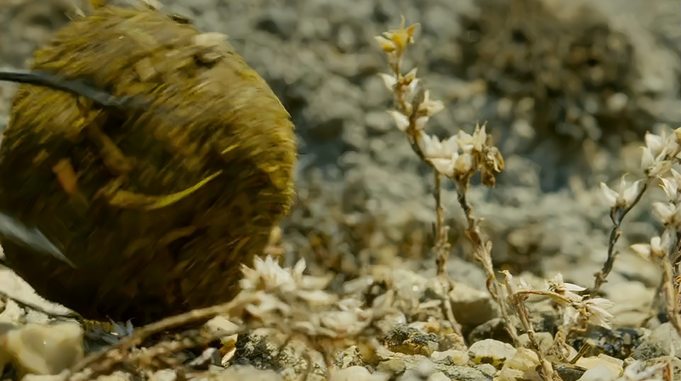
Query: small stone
(491, 351)
(349, 357)
(522, 366)
(392, 366)
(544, 339)
(569, 372)
(411, 341)
(164, 375)
(601, 367)
(438, 376)
(115, 376)
(247, 372)
(492, 329)
(471, 306)
(43, 349)
(422, 370)
(357, 373)
(450, 357)
(487, 369)
(631, 299)
(221, 325)
(45, 377)
(599, 373)
(666, 339)
(464, 373)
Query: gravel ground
(567, 88)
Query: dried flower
(428, 106)
(266, 274)
(395, 41)
(670, 188)
(624, 196)
(656, 155)
(596, 311)
(668, 213)
(401, 120)
(567, 290)
(444, 156)
(658, 246)
(655, 143)
(389, 80)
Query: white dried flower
(655, 143)
(267, 275)
(412, 88)
(647, 158)
(479, 138)
(597, 311)
(430, 107)
(420, 122)
(401, 120)
(432, 147)
(410, 77)
(677, 177)
(668, 213)
(475, 142)
(625, 194)
(442, 155)
(658, 246)
(494, 157)
(570, 316)
(389, 80)
(465, 141)
(386, 44)
(567, 290)
(463, 165)
(654, 165)
(670, 188)
(269, 307)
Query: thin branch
(617, 215)
(484, 257)
(139, 335)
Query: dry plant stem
(617, 215)
(442, 247)
(671, 294)
(483, 256)
(442, 244)
(162, 351)
(518, 301)
(140, 334)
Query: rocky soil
(567, 88)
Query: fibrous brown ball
(154, 207)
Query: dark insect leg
(76, 87)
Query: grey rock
(281, 21)
(664, 338)
(471, 306)
(490, 351)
